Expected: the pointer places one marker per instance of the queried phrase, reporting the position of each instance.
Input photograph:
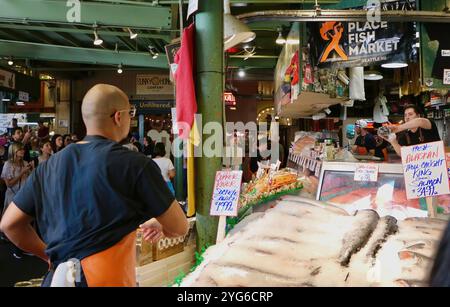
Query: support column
(141, 128)
(209, 90)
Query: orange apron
(113, 267)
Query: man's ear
(117, 118)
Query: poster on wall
(7, 79)
(153, 85)
(352, 44)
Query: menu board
(425, 170)
(227, 188)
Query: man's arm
(412, 124)
(172, 223)
(16, 226)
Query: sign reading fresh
(425, 170)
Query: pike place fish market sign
(425, 170)
(350, 44)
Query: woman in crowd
(165, 165)
(57, 143)
(67, 140)
(45, 152)
(15, 171)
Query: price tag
(425, 170)
(227, 187)
(366, 172)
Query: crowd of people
(86, 200)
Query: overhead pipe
(321, 15)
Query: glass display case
(387, 195)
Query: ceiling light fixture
(119, 69)
(394, 65)
(132, 35)
(397, 61)
(235, 31)
(10, 62)
(97, 40)
(154, 53)
(372, 75)
(280, 39)
(241, 73)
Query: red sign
(229, 98)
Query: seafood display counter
(387, 195)
(303, 242)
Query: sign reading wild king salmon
(153, 84)
(425, 170)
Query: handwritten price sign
(425, 170)
(366, 172)
(227, 188)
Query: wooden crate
(163, 272)
(159, 254)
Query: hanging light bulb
(280, 39)
(241, 73)
(132, 35)
(119, 69)
(10, 62)
(97, 40)
(235, 31)
(154, 53)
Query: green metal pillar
(209, 82)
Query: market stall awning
(307, 104)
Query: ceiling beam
(251, 1)
(87, 31)
(256, 62)
(54, 53)
(103, 14)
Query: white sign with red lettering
(425, 170)
(225, 198)
(366, 172)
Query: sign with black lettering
(425, 170)
(351, 44)
(227, 188)
(153, 84)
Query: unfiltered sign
(425, 170)
(227, 188)
(153, 84)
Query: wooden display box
(159, 254)
(163, 272)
